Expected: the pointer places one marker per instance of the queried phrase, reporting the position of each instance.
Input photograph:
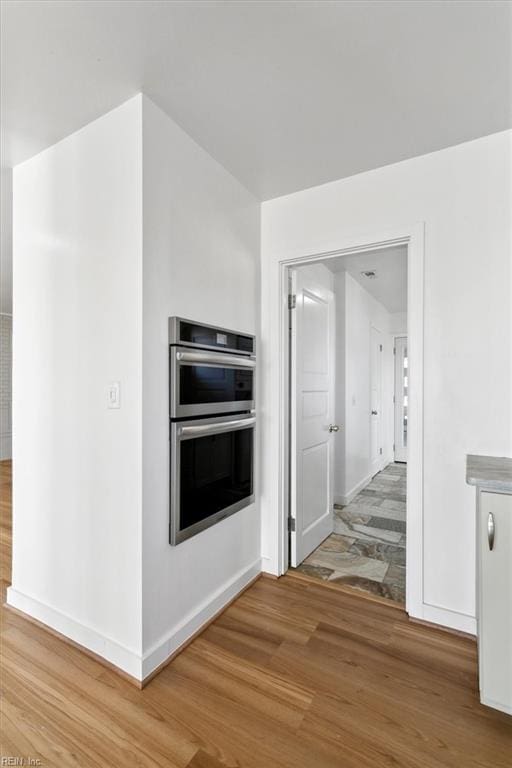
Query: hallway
(367, 547)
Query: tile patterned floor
(367, 548)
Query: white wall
(463, 196)
(118, 227)
(201, 261)
(398, 323)
(5, 386)
(5, 312)
(6, 241)
(356, 312)
(77, 327)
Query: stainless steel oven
(212, 463)
(205, 382)
(211, 370)
(211, 409)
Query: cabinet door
(495, 614)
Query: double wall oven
(211, 408)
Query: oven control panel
(191, 334)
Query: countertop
(491, 473)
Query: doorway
(347, 489)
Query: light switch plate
(114, 395)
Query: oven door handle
(212, 358)
(212, 429)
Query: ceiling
(389, 286)
(285, 95)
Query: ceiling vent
(369, 273)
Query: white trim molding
(447, 618)
(126, 659)
(276, 275)
(170, 643)
(137, 666)
(344, 500)
(496, 705)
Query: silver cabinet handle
(333, 428)
(491, 529)
(221, 359)
(198, 430)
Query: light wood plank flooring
(293, 674)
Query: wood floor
(293, 674)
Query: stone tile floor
(367, 547)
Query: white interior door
(312, 410)
(401, 398)
(376, 347)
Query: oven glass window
(206, 384)
(215, 472)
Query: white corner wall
(5, 314)
(356, 312)
(201, 261)
(118, 227)
(6, 241)
(462, 194)
(5, 386)
(77, 327)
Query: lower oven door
(211, 472)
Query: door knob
(333, 428)
(374, 413)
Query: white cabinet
(495, 599)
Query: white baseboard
(348, 497)
(140, 668)
(496, 705)
(268, 565)
(120, 656)
(126, 659)
(461, 622)
(178, 635)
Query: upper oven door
(204, 382)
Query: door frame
(414, 237)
